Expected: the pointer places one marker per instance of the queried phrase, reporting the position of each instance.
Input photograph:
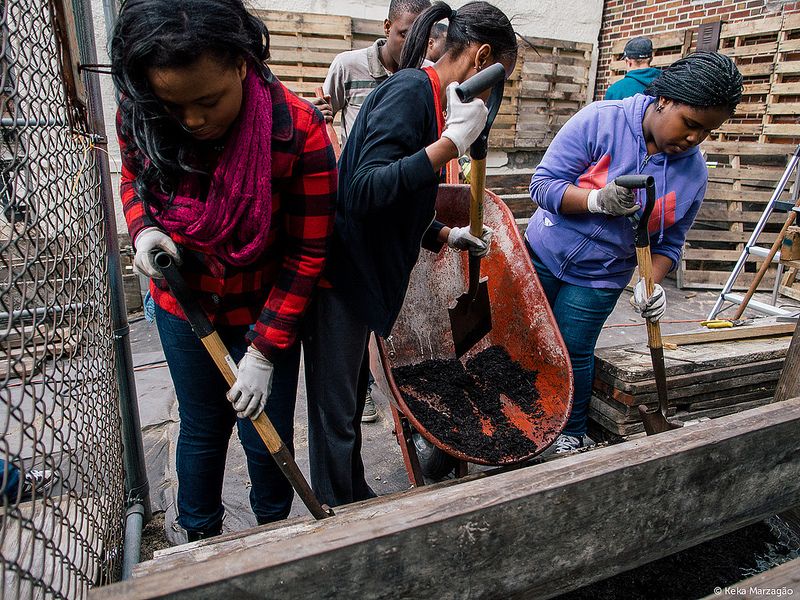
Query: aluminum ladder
(751, 248)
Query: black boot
(193, 536)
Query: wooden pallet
(555, 78)
(704, 380)
(741, 181)
(767, 52)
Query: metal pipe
(41, 311)
(40, 122)
(131, 549)
(137, 487)
(110, 11)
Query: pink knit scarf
(233, 221)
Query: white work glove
(651, 308)
(465, 121)
(147, 243)
(613, 200)
(253, 384)
(460, 238)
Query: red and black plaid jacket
(274, 291)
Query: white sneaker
(370, 414)
(37, 482)
(567, 443)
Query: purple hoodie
(601, 142)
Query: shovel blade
(655, 422)
(471, 318)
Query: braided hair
(474, 22)
(701, 80)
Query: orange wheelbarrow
(509, 397)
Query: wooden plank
(782, 129)
(513, 533)
(753, 27)
(744, 332)
(711, 394)
(605, 381)
(746, 148)
(782, 581)
(752, 50)
(631, 363)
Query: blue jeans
(9, 480)
(580, 313)
(207, 420)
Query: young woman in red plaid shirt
(234, 176)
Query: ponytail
(478, 22)
(416, 45)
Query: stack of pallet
(748, 153)
(704, 380)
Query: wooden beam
(782, 581)
(743, 332)
(537, 532)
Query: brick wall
(624, 19)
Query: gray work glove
(465, 120)
(460, 238)
(613, 200)
(253, 384)
(149, 241)
(651, 308)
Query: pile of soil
(463, 407)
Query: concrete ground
(384, 465)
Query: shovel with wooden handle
(219, 353)
(471, 315)
(655, 421)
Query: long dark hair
(474, 22)
(172, 34)
(702, 80)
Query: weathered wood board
(703, 380)
(514, 533)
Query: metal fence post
(137, 487)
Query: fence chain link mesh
(61, 472)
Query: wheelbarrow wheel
(436, 464)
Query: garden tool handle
(202, 327)
(642, 242)
(482, 81)
(493, 76)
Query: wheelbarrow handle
(202, 327)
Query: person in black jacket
(389, 174)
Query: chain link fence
(61, 458)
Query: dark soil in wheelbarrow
(463, 407)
